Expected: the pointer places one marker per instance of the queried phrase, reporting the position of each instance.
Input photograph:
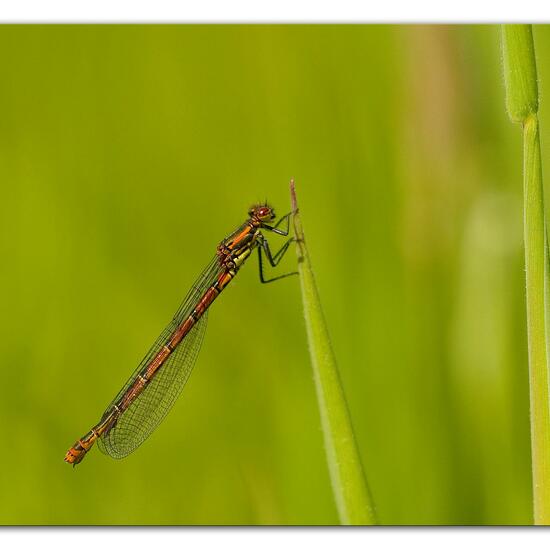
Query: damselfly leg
(275, 229)
(274, 259)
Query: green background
(128, 153)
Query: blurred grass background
(127, 153)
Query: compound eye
(263, 211)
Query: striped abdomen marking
(177, 336)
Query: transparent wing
(150, 407)
(148, 410)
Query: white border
(373, 538)
(282, 11)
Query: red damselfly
(150, 392)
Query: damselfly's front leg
(275, 229)
(274, 260)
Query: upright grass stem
(352, 495)
(520, 75)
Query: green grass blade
(522, 104)
(351, 492)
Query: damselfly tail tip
(78, 451)
(75, 454)
(72, 457)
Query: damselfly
(150, 392)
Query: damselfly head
(262, 212)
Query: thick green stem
(522, 103)
(535, 270)
(520, 71)
(352, 495)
